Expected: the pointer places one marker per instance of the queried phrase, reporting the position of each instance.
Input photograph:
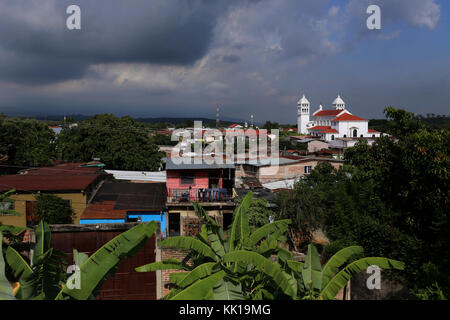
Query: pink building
(199, 182)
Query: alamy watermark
(228, 146)
(74, 281)
(374, 20)
(374, 280)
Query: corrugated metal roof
(30, 182)
(103, 210)
(157, 176)
(170, 165)
(133, 196)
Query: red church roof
(321, 128)
(330, 131)
(348, 117)
(327, 113)
(373, 131)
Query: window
(373, 136)
(174, 224)
(362, 136)
(355, 133)
(186, 178)
(308, 169)
(332, 137)
(345, 136)
(31, 217)
(5, 206)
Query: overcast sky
(178, 58)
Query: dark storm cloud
(36, 47)
(232, 58)
(179, 57)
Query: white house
(336, 122)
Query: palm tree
(235, 267)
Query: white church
(336, 122)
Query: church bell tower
(303, 115)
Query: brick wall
(167, 253)
(192, 226)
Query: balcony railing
(200, 195)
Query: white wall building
(336, 122)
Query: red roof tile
(373, 131)
(327, 113)
(330, 131)
(62, 168)
(320, 128)
(348, 117)
(28, 182)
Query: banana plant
(43, 280)
(5, 200)
(325, 283)
(227, 268)
(6, 291)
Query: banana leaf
(15, 230)
(189, 243)
(211, 231)
(43, 238)
(240, 229)
(18, 264)
(6, 291)
(295, 265)
(342, 277)
(338, 260)
(101, 263)
(280, 227)
(201, 289)
(167, 264)
(228, 290)
(286, 283)
(312, 269)
(197, 273)
(177, 277)
(79, 257)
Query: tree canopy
(120, 143)
(53, 209)
(26, 142)
(392, 198)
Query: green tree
(53, 209)
(392, 198)
(120, 143)
(258, 213)
(26, 142)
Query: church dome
(303, 101)
(338, 103)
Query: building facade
(333, 123)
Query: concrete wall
(289, 171)
(389, 289)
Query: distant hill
(173, 121)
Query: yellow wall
(77, 200)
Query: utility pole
(217, 114)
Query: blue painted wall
(145, 216)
